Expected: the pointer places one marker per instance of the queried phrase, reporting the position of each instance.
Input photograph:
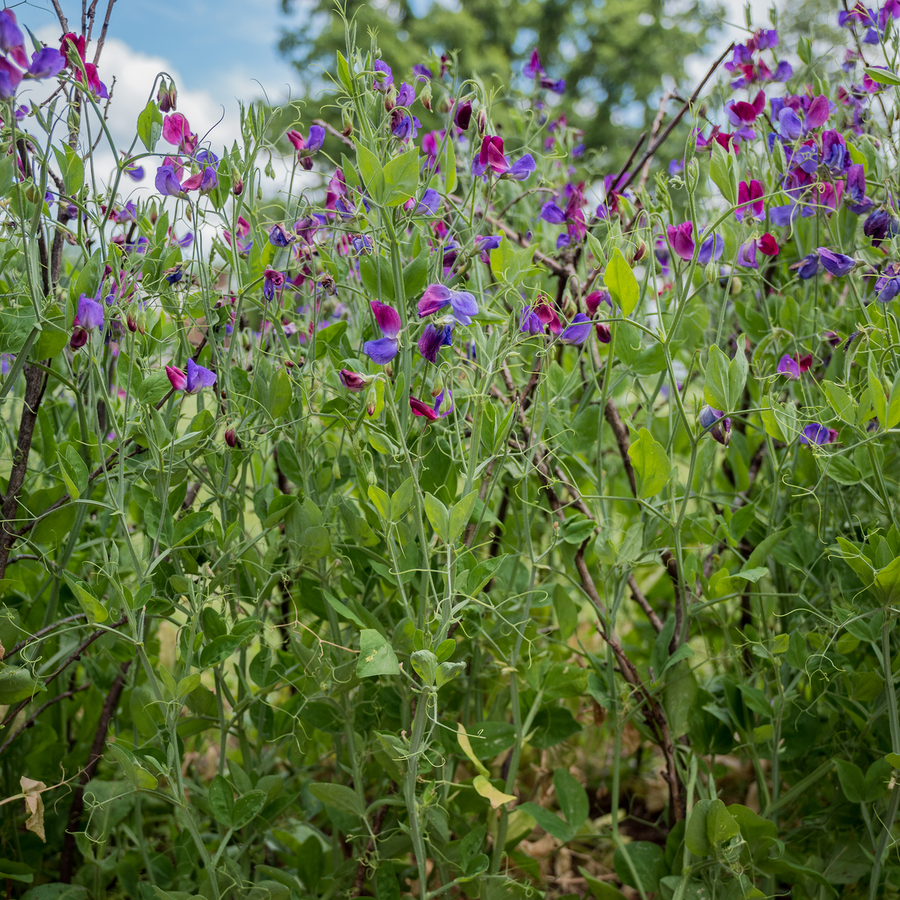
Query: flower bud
(371, 399)
(336, 470)
(711, 272)
(481, 120)
(232, 440)
(425, 96)
(237, 183)
(346, 123)
(371, 478)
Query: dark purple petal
(435, 298)
(836, 264)
(551, 213)
(578, 331)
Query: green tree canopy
(614, 54)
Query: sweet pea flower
(834, 151)
(484, 243)
(750, 200)
(808, 267)
(90, 315)
(177, 130)
(880, 225)
(437, 297)
(46, 63)
(387, 77)
(204, 181)
(682, 241)
(593, 300)
(533, 68)
(578, 331)
(307, 148)
(789, 366)
(462, 115)
(491, 156)
(404, 127)
(529, 322)
(429, 204)
(11, 35)
(383, 350)
(431, 412)
(710, 420)
(818, 434)
(746, 255)
(354, 381)
(432, 339)
(192, 382)
(272, 282)
(836, 264)
(167, 183)
(279, 236)
(741, 112)
(888, 284)
(856, 190)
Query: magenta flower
(742, 113)
(431, 412)
(307, 148)
(437, 297)
(192, 382)
(682, 240)
(533, 68)
(750, 200)
(177, 130)
(383, 350)
(789, 366)
(272, 282)
(491, 157)
(462, 115)
(205, 180)
(354, 381)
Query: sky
(217, 50)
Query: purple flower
(431, 412)
(834, 152)
(746, 255)
(404, 127)
(205, 180)
(710, 419)
(194, 381)
(167, 183)
(383, 350)
(90, 313)
(272, 281)
(428, 205)
(808, 267)
(533, 68)
(551, 213)
(522, 168)
(856, 190)
(816, 434)
(556, 86)
(888, 284)
(46, 63)
(789, 366)
(421, 71)
(280, 237)
(879, 226)
(437, 296)
(578, 331)
(387, 77)
(462, 115)
(529, 323)
(789, 125)
(406, 95)
(836, 263)
(433, 339)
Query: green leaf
(71, 168)
(648, 861)
(17, 684)
(343, 70)
(651, 464)
(601, 890)
(882, 75)
(715, 389)
(247, 807)
(721, 171)
(94, 609)
(221, 800)
(376, 656)
(219, 649)
(187, 527)
(460, 515)
(721, 826)
(57, 891)
(696, 837)
(370, 170)
(338, 797)
(402, 499)
(840, 401)
(381, 500)
(448, 166)
(74, 472)
(493, 795)
(549, 821)
(621, 282)
(573, 798)
(425, 664)
(438, 516)
(401, 178)
(149, 126)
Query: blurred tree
(614, 55)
